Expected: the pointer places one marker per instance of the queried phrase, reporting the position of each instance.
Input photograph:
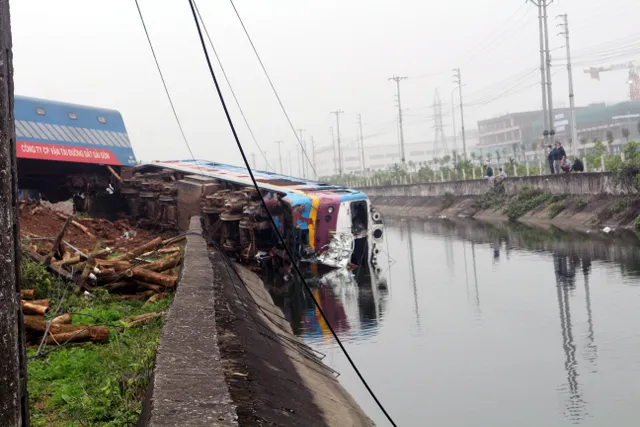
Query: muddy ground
(46, 221)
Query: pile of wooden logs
(60, 330)
(145, 272)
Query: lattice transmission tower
(440, 147)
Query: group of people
(488, 173)
(558, 161)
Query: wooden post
(56, 243)
(528, 174)
(474, 172)
(13, 360)
(602, 163)
(464, 174)
(115, 175)
(584, 162)
(515, 170)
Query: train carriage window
(102, 120)
(40, 111)
(72, 116)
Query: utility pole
(574, 131)
(453, 117)
(313, 156)
(397, 80)
(458, 79)
(545, 3)
(545, 75)
(304, 171)
(13, 360)
(280, 156)
(253, 157)
(361, 145)
(337, 113)
(333, 145)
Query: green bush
(494, 198)
(35, 276)
(527, 200)
(620, 205)
(579, 204)
(627, 173)
(555, 208)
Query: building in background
(519, 135)
(378, 157)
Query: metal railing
(476, 173)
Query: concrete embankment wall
(274, 378)
(227, 357)
(595, 183)
(591, 200)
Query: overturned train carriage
(325, 225)
(66, 150)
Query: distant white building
(379, 157)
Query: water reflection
(475, 278)
(412, 270)
(620, 249)
(499, 355)
(565, 270)
(591, 350)
(354, 311)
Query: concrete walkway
(189, 386)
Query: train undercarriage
(233, 214)
(235, 220)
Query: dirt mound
(39, 221)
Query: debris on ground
(94, 252)
(93, 294)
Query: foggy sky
(322, 55)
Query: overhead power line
(272, 220)
(233, 93)
(496, 93)
(164, 83)
(491, 89)
(487, 42)
(273, 88)
(514, 30)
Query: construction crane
(634, 76)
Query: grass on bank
(91, 384)
(527, 200)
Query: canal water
(489, 325)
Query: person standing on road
(551, 157)
(559, 154)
